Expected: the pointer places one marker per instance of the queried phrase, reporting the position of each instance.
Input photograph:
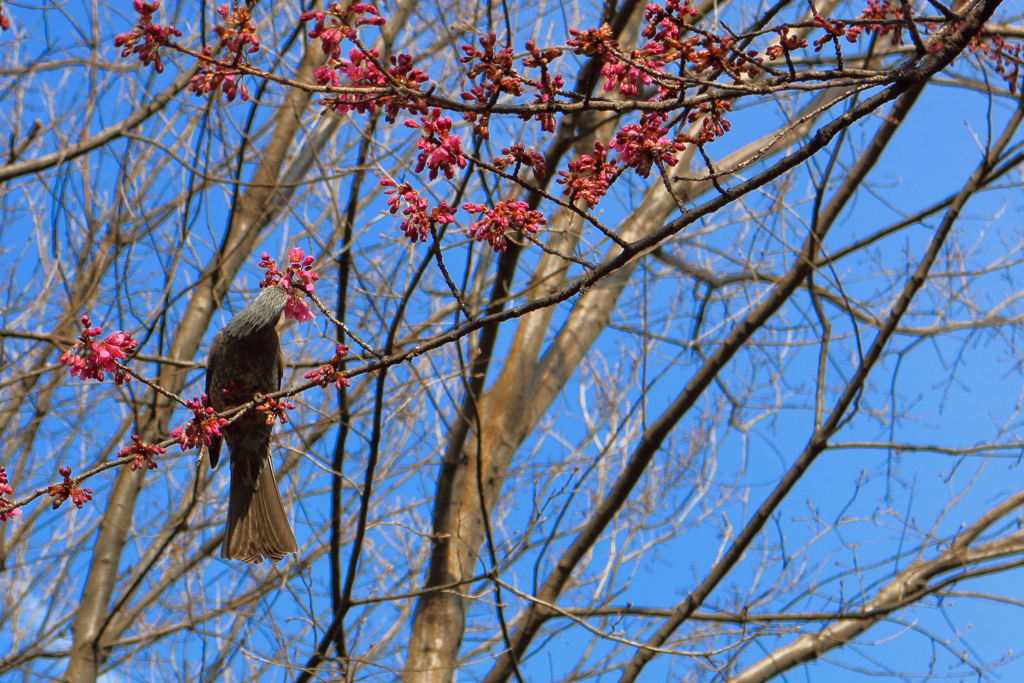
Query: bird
(245, 360)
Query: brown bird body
(245, 360)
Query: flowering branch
(68, 489)
(89, 360)
(8, 509)
(296, 278)
(330, 372)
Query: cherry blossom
(640, 144)
(203, 426)
(143, 453)
(628, 77)
(331, 24)
(146, 38)
(273, 410)
(419, 218)
(295, 278)
(521, 156)
(238, 34)
(440, 151)
(6, 490)
(590, 176)
(499, 77)
(330, 372)
(715, 124)
(508, 214)
(787, 43)
(68, 489)
(89, 360)
(227, 78)
(835, 29)
(361, 71)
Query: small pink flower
(332, 27)
(499, 77)
(835, 29)
(627, 78)
(593, 42)
(667, 24)
(362, 71)
(227, 78)
(299, 310)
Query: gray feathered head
(264, 311)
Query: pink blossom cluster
(538, 58)
(519, 155)
(715, 124)
(623, 75)
(6, 490)
(238, 34)
(146, 38)
(668, 33)
(594, 42)
(667, 29)
(499, 77)
(332, 24)
(666, 25)
(273, 410)
(330, 372)
(1007, 60)
(710, 52)
(440, 151)
(508, 214)
(203, 426)
(834, 30)
(142, 452)
(361, 71)
(881, 10)
(547, 87)
(68, 489)
(641, 144)
(296, 278)
(627, 77)
(89, 360)
(227, 78)
(418, 219)
(590, 176)
(787, 43)
(670, 39)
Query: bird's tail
(257, 523)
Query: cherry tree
(622, 339)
